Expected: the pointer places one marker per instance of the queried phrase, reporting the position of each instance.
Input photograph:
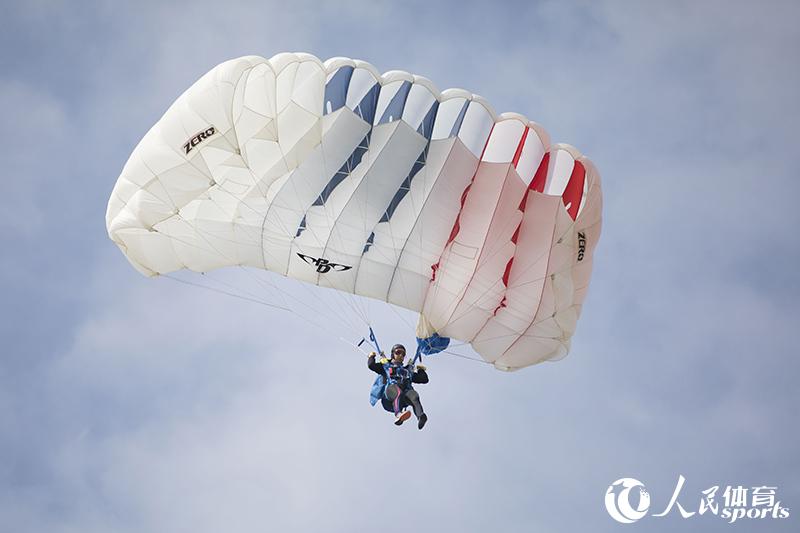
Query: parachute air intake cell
(377, 185)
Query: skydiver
(395, 388)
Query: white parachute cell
(375, 185)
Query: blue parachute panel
(433, 344)
(459, 120)
(336, 89)
(394, 110)
(376, 393)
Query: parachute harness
(374, 341)
(379, 386)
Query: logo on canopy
(323, 265)
(581, 245)
(197, 139)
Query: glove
(373, 354)
(422, 367)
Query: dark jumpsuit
(400, 395)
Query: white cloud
(35, 127)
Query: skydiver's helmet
(396, 348)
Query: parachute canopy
(376, 185)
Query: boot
(402, 417)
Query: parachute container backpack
(377, 185)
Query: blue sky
(131, 404)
